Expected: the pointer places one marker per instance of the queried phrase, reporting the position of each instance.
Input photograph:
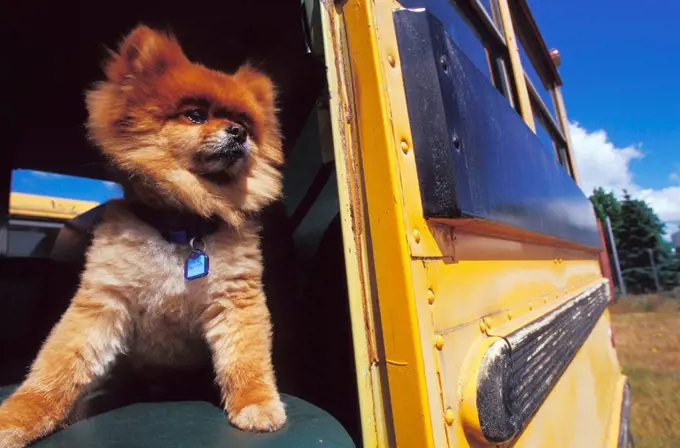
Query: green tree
(606, 204)
(639, 240)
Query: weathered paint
(409, 401)
(519, 370)
(354, 234)
(463, 284)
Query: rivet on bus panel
(430, 296)
(439, 342)
(449, 416)
(509, 315)
(391, 60)
(416, 236)
(404, 146)
(531, 306)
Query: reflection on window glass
(563, 158)
(542, 134)
(535, 79)
(459, 30)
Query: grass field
(647, 331)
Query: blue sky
(619, 63)
(620, 67)
(36, 182)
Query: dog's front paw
(12, 437)
(267, 417)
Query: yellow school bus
(478, 303)
(433, 271)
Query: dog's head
(188, 136)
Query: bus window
(542, 133)
(535, 79)
(63, 186)
(39, 205)
(476, 33)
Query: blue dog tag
(197, 265)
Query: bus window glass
(532, 74)
(542, 133)
(458, 28)
(563, 158)
(41, 202)
(63, 186)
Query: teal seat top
(186, 424)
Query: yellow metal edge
(426, 298)
(501, 327)
(467, 390)
(374, 432)
(615, 420)
(422, 236)
(24, 204)
(409, 399)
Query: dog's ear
(143, 52)
(258, 83)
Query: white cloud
(600, 163)
(674, 177)
(44, 174)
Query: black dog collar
(175, 226)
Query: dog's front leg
(238, 330)
(80, 347)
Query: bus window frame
(509, 25)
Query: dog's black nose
(238, 132)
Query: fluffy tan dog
(177, 264)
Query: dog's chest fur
(145, 274)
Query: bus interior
(53, 61)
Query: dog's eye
(196, 116)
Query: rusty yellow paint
(38, 206)
(354, 234)
(432, 369)
(446, 287)
(576, 413)
(506, 327)
(370, 60)
(499, 287)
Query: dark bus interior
(53, 51)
